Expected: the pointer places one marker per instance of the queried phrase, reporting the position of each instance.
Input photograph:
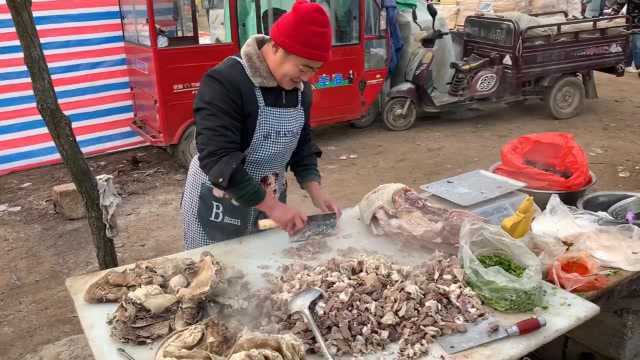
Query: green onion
(506, 263)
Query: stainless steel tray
(473, 187)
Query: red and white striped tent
(83, 44)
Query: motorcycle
(436, 82)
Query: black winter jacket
(226, 113)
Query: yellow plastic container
(519, 224)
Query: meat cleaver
(486, 331)
(318, 225)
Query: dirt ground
(40, 249)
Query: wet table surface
(564, 312)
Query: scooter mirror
(432, 11)
(414, 16)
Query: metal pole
(258, 17)
(270, 12)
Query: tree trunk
(60, 128)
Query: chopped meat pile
(372, 302)
(397, 210)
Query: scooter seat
(464, 66)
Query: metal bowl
(619, 210)
(603, 200)
(541, 197)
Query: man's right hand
(287, 218)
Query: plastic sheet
(577, 272)
(546, 161)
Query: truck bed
(534, 51)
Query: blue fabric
(594, 8)
(394, 33)
(635, 49)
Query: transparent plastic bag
(497, 287)
(557, 220)
(616, 246)
(613, 246)
(576, 272)
(546, 248)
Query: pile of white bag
(456, 13)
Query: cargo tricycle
(502, 60)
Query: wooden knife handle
(267, 224)
(527, 326)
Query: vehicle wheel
(369, 118)
(565, 99)
(393, 116)
(186, 149)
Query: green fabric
(406, 4)
(227, 22)
(307, 174)
(248, 193)
(247, 15)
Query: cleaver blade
(485, 331)
(317, 226)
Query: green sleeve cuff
(247, 192)
(308, 175)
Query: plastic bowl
(541, 197)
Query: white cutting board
(565, 310)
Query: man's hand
(321, 200)
(287, 218)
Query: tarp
(394, 33)
(83, 45)
(407, 4)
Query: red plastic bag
(576, 272)
(546, 161)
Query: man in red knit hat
(252, 124)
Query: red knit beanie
(304, 31)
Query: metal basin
(541, 197)
(603, 200)
(620, 210)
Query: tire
(369, 118)
(186, 149)
(392, 114)
(565, 99)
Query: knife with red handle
(486, 331)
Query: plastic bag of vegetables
(503, 271)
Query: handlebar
(439, 34)
(429, 42)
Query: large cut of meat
(217, 340)
(114, 285)
(157, 297)
(258, 346)
(397, 210)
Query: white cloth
(216, 26)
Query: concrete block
(68, 202)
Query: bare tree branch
(59, 126)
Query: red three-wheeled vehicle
(170, 44)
